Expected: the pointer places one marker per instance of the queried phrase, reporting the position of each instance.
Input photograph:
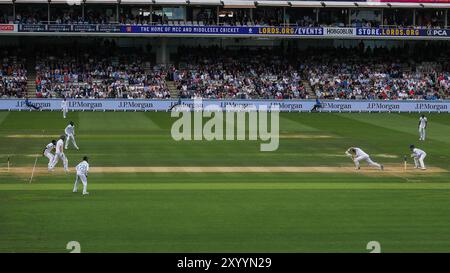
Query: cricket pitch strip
(388, 170)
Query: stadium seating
(239, 18)
(13, 75)
(218, 73)
(96, 75)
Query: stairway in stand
(309, 91)
(173, 89)
(31, 78)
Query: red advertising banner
(6, 28)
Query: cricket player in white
(59, 154)
(82, 173)
(422, 126)
(64, 107)
(357, 155)
(418, 155)
(70, 133)
(48, 152)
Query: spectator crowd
(216, 74)
(13, 79)
(94, 74)
(422, 72)
(379, 73)
(260, 16)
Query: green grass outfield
(229, 211)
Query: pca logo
(437, 32)
(74, 2)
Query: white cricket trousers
(83, 179)
(418, 161)
(421, 133)
(64, 110)
(50, 157)
(57, 157)
(68, 138)
(367, 159)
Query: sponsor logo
(276, 30)
(288, 106)
(437, 32)
(340, 31)
(85, 105)
(21, 104)
(388, 32)
(135, 105)
(74, 2)
(383, 106)
(309, 31)
(431, 106)
(32, 28)
(236, 105)
(6, 28)
(340, 106)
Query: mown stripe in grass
(232, 186)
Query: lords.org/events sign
(284, 105)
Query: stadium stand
(98, 73)
(375, 74)
(218, 73)
(238, 17)
(13, 75)
(108, 71)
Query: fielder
(418, 155)
(82, 173)
(357, 155)
(316, 106)
(422, 126)
(59, 154)
(48, 152)
(70, 134)
(64, 107)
